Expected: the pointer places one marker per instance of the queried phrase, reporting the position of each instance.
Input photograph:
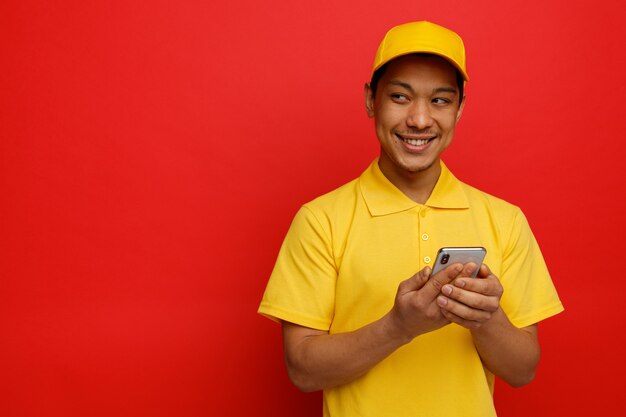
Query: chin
(416, 169)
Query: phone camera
(445, 258)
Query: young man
(380, 344)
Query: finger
(437, 281)
(470, 269)
(489, 286)
(453, 318)
(484, 271)
(471, 299)
(461, 310)
(416, 282)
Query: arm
(317, 360)
(509, 352)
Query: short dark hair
(378, 74)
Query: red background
(152, 156)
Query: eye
(441, 101)
(398, 97)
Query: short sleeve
(529, 294)
(301, 288)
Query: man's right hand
(319, 360)
(415, 310)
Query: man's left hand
(471, 302)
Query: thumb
(440, 279)
(416, 282)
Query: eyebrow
(402, 84)
(435, 90)
(446, 90)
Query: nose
(420, 116)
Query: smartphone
(449, 256)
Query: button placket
(424, 238)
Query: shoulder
(478, 197)
(328, 218)
(505, 219)
(335, 202)
(339, 195)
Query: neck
(417, 185)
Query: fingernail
(460, 284)
(447, 289)
(442, 301)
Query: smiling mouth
(415, 141)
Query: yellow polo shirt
(340, 266)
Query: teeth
(416, 142)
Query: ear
(369, 100)
(459, 112)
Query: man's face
(415, 110)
